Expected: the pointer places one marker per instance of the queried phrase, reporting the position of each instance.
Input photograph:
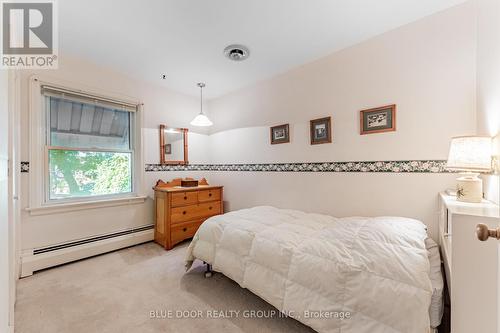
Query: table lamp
(470, 154)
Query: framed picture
(280, 134)
(377, 120)
(321, 131)
(168, 149)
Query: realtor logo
(29, 38)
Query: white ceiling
(185, 38)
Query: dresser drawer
(209, 195)
(184, 198)
(194, 212)
(184, 231)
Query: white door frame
(14, 181)
(496, 153)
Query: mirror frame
(184, 132)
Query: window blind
(82, 97)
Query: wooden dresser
(181, 210)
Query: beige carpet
(116, 292)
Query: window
(89, 146)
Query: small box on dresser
(181, 210)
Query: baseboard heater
(49, 256)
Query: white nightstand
(471, 266)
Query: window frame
(39, 196)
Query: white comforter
(372, 272)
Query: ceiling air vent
(236, 52)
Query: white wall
(488, 82)
(427, 68)
(488, 94)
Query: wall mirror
(173, 145)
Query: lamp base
(470, 188)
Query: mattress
(436, 277)
(376, 270)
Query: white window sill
(75, 206)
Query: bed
(350, 275)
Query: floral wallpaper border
(25, 166)
(423, 166)
(411, 166)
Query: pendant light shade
(201, 119)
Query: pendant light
(201, 119)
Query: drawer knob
(184, 229)
(184, 213)
(209, 194)
(483, 232)
(185, 198)
(210, 207)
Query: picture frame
(168, 149)
(280, 134)
(378, 120)
(321, 130)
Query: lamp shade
(201, 120)
(470, 153)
